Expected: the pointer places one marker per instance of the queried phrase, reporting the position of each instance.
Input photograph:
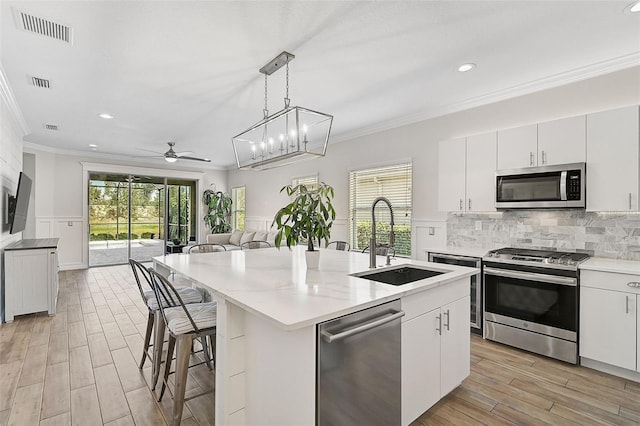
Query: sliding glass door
(132, 217)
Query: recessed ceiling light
(466, 67)
(105, 116)
(633, 7)
(93, 146)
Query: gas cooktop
(543, 258)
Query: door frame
(88, 168)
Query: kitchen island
(269, 305)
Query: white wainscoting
(427, 234)
(72, 247)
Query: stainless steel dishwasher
(358, 368)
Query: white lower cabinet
(609, 318)
(31, 281)
(435, 347)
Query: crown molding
(7, 95)
(549, 82)
(29, 147)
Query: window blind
(311, 182)
(392, 182)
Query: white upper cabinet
(562, 141)
(554, 142)
(451, 175)
(481, 172)
(612, 160)
(467, 173)
(518, 147)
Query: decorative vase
(313, 259)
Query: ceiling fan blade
(155, 152)
(183, 153)
(195, 159)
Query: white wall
(419, 142)
(60, 189)
(11, 134)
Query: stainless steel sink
(402, 274)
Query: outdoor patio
(115, 251)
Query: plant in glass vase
(308, 217)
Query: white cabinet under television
(612, 160)
(31, 277)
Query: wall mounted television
(19, 204)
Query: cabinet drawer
(610, 281)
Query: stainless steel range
(531, 300)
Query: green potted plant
(308, 216)
(218, 215)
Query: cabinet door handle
(439, 327)
(469, 204)
(544, 157)
(447, 323)
(626, 304)
(629, 201)
(633, 284)
(461, 204)
(531, 158)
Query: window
(392, 182)
(311, 182)
(237, 207)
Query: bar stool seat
(154, 320)
(184, 323)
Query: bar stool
(187, 295)
(206, 248)
(185, 323)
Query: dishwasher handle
(392, 315)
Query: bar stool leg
(157, 347)
(183, 349)
(205, 351)
(167, 365)
(147, 338)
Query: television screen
(20, 204)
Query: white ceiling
(188, 71)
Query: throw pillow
(261, 236)
(247, 236)
(235, 237)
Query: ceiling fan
(171, 156)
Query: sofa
(233, 240)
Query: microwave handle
(563, 185)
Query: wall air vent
(45, 27)
(41, 82)
(53, 127)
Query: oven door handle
(552, 279)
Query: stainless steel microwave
(545, 187)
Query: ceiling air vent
(41, 82)
(45, 27)
(53, 127)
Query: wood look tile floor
(80, 367)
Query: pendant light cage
(289, 135)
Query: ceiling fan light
(170, 159)
(466, 67)
(634, 7)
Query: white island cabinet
(269, 307)
(31, 277)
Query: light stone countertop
(276, 284)
(604, 264)
(458, 251)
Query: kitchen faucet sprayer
(372, 242)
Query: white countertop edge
(604, 264)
